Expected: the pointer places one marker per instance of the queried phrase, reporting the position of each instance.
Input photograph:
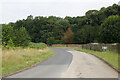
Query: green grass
(14, 60)
(64, 47)
(109, 56)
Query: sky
(13, 10)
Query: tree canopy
(96, 26)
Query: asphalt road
(68, 63)
(51, 68)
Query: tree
(112, 10)
(63, 23)
(84, 35)
(7, 34)
(41, 28)
(50, 41)
(110, 30)
(67, 38)
(30, 17)
(21, 37)
(10, 43)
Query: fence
(98, 47)
(93, 46)
(67, 45)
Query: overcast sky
(13, 10)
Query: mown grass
(109, 56)
(14, 60)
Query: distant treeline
(99, 26)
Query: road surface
(51, 68)
(85, 65)
(68, 63)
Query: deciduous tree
(67, 38)
(110, 30)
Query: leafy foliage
(37, 45)
(50, 41)
(110, 31)
(95, 26)
(14, 37)
(68, 37)
(7, 34)
(21, 37)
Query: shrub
(37, 45)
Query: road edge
(26, 68)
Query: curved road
(51, 68)
(68, 63)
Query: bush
(37, 45)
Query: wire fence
(101, 47)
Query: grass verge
(109, 56)
(14, 60)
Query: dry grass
(0, 62)
(18, 58)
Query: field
(109, 56)
(18, 58)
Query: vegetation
(109, 56)
(12, 38)
(99, 26)
(22, 57)
(38, 45)
(111, 27)
(67, 38)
